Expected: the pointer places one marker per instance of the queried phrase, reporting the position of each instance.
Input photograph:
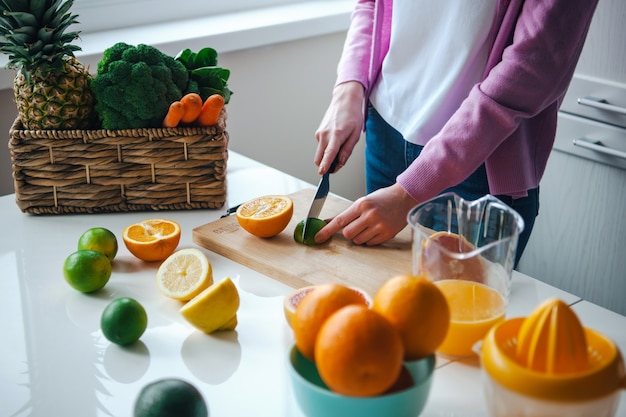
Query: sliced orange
(265, 216)
(184, 274)
(153, 239)
(438, 260)
(291, 301)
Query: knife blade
(323, 189)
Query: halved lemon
(153, 239)
(215, 308)
(265, 216)
(184, 274)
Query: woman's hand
(341, 126)
(372, 219)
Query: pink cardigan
(508, 121)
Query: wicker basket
(95, 171)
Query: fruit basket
(92, 171)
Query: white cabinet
(579, 239)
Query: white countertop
(54, 360)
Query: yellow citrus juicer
(549, 364)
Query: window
(99, 15)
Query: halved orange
(265, 216)
(442, 257)
(153, 239)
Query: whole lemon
(87, 270)
(123, 321)
(99, 239)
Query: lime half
(314, 226)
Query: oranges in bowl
(351, 353)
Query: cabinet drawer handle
(601, 104)
(597, 146)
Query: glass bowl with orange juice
(467, 248)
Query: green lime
(123, 321)
(314, 226)
(170, 397)
(99, 239)
(87, 270)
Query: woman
(459, 96)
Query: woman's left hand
(372, 219)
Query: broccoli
(135, 86)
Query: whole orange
(358, 352)
(291, 300)
(314, 308)
(417, 308)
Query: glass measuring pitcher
(467, 248)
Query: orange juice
(474, 308)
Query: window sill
(225, 33)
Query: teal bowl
(317, 400)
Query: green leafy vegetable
(205, 76)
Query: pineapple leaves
(24, 18)
(33, 33)
(38, 8)
(45, 34)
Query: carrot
(192, 103)
(211, 109)
(174, 114)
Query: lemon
(315, 225)
(215, 308)
(265, 216)
(87, 270)
(123, 321)
(184, 274)
(170, 397)
(99, 239)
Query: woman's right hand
(341, 127)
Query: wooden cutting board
(297, 265)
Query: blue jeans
(387, 155)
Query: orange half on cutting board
(265, 216)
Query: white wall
(281, 93)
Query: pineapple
(52, 88)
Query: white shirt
(438, 52)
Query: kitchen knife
(320, 196)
